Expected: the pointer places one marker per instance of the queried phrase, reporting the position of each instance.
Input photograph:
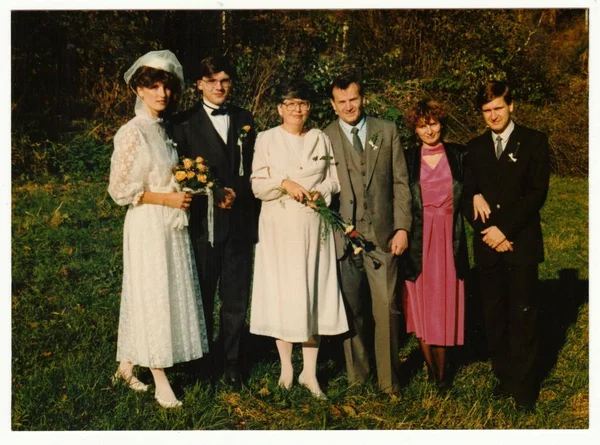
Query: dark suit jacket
(195, 136)
(515, 189)
(414, 260)
(387, 181)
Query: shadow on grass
(560, 301)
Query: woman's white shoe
(316, 392)
(285, 384)
(166, 404)
(132, 382)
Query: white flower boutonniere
(512, 157)
(373, 140)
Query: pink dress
(434, 303)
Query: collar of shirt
(362, 130)
(220, 121)
(504, 135)
(209, 107)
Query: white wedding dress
(295, 292)
(161, 319)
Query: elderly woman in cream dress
(295, 297)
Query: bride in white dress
(295, 292)
(161, 318)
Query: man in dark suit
(509, 167)
(224, 136)
(375, 197)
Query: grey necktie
(356, 141)
(498, 147)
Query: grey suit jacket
(387, 193)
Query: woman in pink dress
(437, 260)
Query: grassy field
(66, 278)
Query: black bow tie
(217, 111)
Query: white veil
(163, 60)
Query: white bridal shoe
(132, 382)
(173, 404)
(317, 393)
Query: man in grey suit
(375, 197)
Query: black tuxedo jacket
(515, 187)
(195, 136)
(414, 260)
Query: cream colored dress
(295, 290)
(161, 319)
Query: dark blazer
(515, 187)
(414, 260)
(196, 136)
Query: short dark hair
(343, 82)
(492, 90)
(295, 89)
(147, 77)
(215, 64)
(426, 110)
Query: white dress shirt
(362, 130)
(504, 135)
(220, 121)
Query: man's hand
(505, 246)
(481, 208)
(399, 242)
(493, 236)
(228, 199)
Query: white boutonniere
(512, 157)
(373, 140)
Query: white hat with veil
(162, 60)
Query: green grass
(66, 271)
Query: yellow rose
(349, 229)
(187, 163)
(210, 184)
(199, 160)
(202, 178)
(246, 128)
(202, 167)
(357, 250)
(190, 175)
(180, 175)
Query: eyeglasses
(291, 106)
(214, 83)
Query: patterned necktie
(356, 141)
(498, 147)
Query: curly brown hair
(426, 110)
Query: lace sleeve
(126, 186)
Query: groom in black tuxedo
(509, 167)
(224, 136)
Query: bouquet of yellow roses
(194, 176)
